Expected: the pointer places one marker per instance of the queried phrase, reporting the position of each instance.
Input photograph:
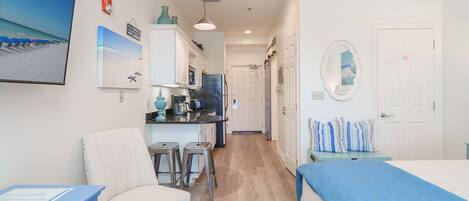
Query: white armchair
(119, 160)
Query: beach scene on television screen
(34, 40)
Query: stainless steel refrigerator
(214, 93)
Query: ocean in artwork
(13, 30)
(34, 40)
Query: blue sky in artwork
(346, 59)
(50, 16)
(112, 40)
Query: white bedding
(453, 176)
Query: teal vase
(160, 104)
(164, 17)
(174, 20)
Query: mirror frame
(356, 59)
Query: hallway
(248, 169)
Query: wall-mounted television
(34, 40)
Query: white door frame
(298, 136)
(298, 98)
(438, 79)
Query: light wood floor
(248, 169)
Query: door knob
(384, 115)
(284, 110)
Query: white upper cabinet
(172, 53)
(182, 61)
(201, 67)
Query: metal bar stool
(204, 149)
(171, 150)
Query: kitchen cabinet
(204, 64)
(202, 67)
(182, 134)
(182, 61)
(208, 134)
(172, 53)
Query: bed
(452, 176)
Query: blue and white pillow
(358, 136)
(327, 137)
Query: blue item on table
(78, 193)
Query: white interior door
(288, 142)
(247, 99)
(406, 93)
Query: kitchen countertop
(189, 118)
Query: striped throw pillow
(358, 136)
(327, 137)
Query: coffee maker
(179, 105)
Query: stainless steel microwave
(191, 76)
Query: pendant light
(205, 24)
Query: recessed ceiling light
(248, 32)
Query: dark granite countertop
(189, 118)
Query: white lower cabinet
(182, 134)
(207, 134)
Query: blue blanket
(367, 181)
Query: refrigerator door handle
(226, 101)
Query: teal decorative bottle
(160, 104)
(164, 17)
(174, 20)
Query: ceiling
(233, 16)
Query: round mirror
(340, 70)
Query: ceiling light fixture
(248, 32)
(205, 24)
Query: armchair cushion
(119, 160)
(153, 193)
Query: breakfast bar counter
(189, 118)
(183, 129)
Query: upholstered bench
(316, 156)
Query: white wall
(455, 77)
(288, 24)
(247, 40)
(245, 54)
(214, 50)
(323, 22)
(41, 126)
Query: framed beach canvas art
(119, 61)
(34, 40)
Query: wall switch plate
(318, 95)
